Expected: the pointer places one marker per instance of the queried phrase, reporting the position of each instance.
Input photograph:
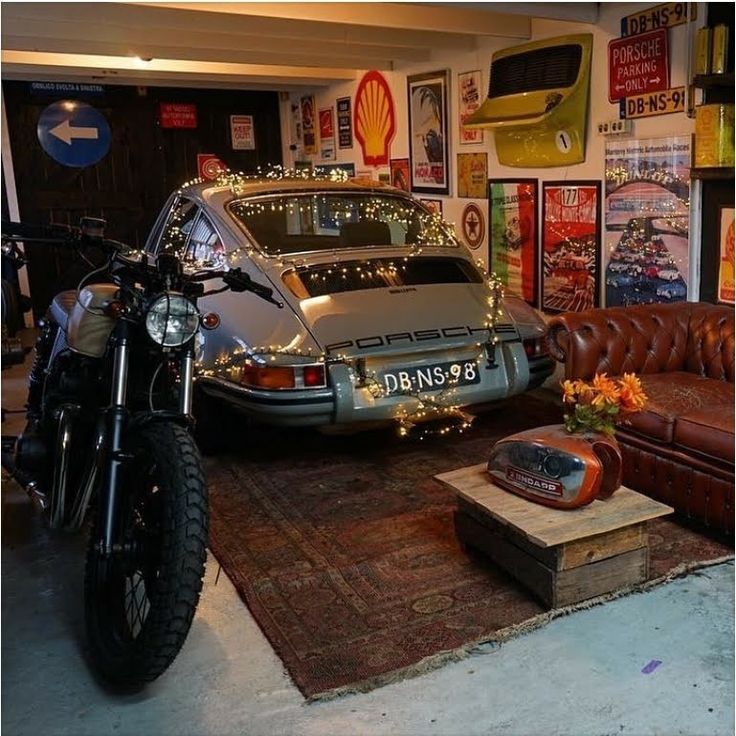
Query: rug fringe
(440, 659)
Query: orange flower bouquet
(596, 405)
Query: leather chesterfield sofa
(680, 449)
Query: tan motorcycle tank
(88, 330)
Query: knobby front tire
(139, 604)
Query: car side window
(178, 227)
(205, 246)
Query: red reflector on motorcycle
(210, 321)
(314, 376)
(258, 376)
(113, 309)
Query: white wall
(607, 28)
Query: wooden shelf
(712, 172)
(712, 81)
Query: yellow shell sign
(375, 119)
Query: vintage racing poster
(513, 241)
(571, 226)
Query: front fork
(116, 422)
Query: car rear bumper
(348, 401)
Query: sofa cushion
(673, 395)
(708, 431)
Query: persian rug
(344, 550)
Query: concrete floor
(581, 674)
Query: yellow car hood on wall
(537, 102)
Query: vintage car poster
(571, 232)
(472, 175)
(469, 96)
(344, 123)
(327, 133)
(428, 132)
(309, 126)
(514, 243)
(725, 269)
(400, 173)
(647, 220)
(242, 133)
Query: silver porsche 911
(385, 314)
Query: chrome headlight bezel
(171, 320)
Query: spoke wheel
(140, 601)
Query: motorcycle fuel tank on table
(88, 329)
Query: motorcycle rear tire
(167, 523)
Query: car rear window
(380, 273)
(308, 222)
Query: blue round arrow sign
(73, 133)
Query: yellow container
(714, 143)
(703, 51)
(720, 49)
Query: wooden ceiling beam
(172, 21)
(275, 57)
(40, 35)
(114, 69)
(419, 16)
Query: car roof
(218, 193)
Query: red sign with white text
(638, 65)
(177, 115)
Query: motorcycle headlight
(172, 320)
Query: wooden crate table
(563, 557)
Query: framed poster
(647, 220)
(344, 123)
(469, 98)
(571, 238)
(726, 268)
(434, 205)
(327, 133)
(309, 133)
(400, 173)
(472, 175)
(514, 241)
(428, 132)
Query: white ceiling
(254, 45)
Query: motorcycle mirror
(93, 227)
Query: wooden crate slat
(549, 527)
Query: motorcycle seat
(61, 307)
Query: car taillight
(314, 376)
(259, 376)
(256, 375)
(534, 347)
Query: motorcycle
(109, 420)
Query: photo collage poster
(647, 220)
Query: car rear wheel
(214, 422)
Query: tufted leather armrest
(646, 338)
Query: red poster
(177, 115)
(571, 216)
(326, 123)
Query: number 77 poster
(571, 234)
